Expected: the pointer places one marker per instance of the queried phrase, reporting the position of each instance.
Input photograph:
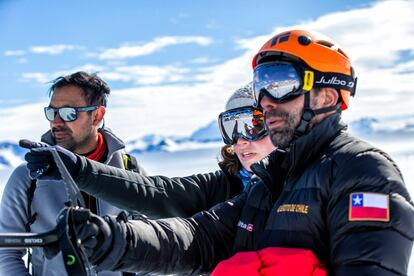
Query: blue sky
(172, 64)
(78, 28)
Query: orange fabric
(272, 261)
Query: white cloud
(373, 37)
(43, 78)
(38, 77)
(53, 49)
(202, 60)
(145, 75)
(10, 53)
(153, 46)
(23, 121)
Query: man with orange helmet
(322, 190)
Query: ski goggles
(67, 114)
(246, 122)
(283, 81)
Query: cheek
(264, 147)
(236, 151)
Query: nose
(241, 141)
(267, 104)
(57, 119)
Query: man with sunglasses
(322, 190)
(75, 112)
(161, 196)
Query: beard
(282, 136)
(69, 141)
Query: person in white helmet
(161, 196)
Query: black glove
(41, 164)
(91, 232)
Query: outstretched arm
(174, 245)
(154, 196)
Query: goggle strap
(327, 109)
(335, 80)
(307, 116)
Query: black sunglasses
(67, 114)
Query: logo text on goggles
(335, 81)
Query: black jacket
(157, 196)
(302, 200)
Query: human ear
(326, 97)
(99, 115)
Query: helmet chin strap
(307, 116)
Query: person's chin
(63, 141)
(248, 160)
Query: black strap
(30, 195)
(308, 114)
(32, 218)
(335, 80)
(75, 260)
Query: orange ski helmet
(312, 49)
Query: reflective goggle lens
(246, 122)
(67, 114)
(280, 80)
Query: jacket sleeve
(369, 246)
(154, 196)
(13, 218)
(176, 245)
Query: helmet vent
(304, 40)
(341, 52)
(325, 43)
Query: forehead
(69, 95)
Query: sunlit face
(79, 136)
(250, 152)
(282, 119)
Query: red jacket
(272, 261)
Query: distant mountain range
(206, 137)
(209, 137)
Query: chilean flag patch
(369, 206)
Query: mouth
(274, 121)
(59, 134)
(247, 155)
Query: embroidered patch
(294, 208)
(369, 206)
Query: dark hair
(94, 88)
(229, 160)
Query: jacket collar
(311, 145)
(236, 185)
(113, 142)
